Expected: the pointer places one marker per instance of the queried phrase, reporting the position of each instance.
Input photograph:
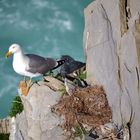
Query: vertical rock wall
(112, 45)
(4, 126)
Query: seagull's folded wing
(38, 64)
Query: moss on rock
(17, 106)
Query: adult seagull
(31, 65)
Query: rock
(111, 39)
(4, 126)
(70, 86)
(54, 83)
(37, 122)
(16, 125)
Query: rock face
(112, 46)
(37, 122)
(49, 116)
(4, 126)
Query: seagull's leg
(30, 82)
(22, 86)
(28, 87)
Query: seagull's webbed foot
(28, 86)
(22, 87)
(25, 87)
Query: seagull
(72, 69)
(31, 65)
(70, 66)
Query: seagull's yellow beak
(8, 54)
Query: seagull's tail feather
(59, 63)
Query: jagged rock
(111, 39)
(70, 86)
(4, 125)
(37, 122)
(16, 125)
(47, 117)
(54, 83)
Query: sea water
(49, 28)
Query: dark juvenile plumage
(70, 65)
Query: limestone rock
(37, 122)
(54, 83)
(111, 40)
(70, 86)
(4, 125)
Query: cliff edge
(112, 45)
(112, 42)
(50, 114)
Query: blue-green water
(45, 27)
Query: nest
(86, 105)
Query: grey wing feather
(38, 64)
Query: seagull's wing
(76, 65)
(65, 69)
(38, 64)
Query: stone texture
(112, 49)
(54, 83)
(4, 125)
(37, 122)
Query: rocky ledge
(50, 113)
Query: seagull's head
(14, 48)
(67, 58)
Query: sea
(49, 28)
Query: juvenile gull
(72, 69)
(70, 66)
(31, 65)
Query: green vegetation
(4, 136)
(80, 131)
(82, 75)
(16, 107)
(63, 91)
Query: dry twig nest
(87, 105)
